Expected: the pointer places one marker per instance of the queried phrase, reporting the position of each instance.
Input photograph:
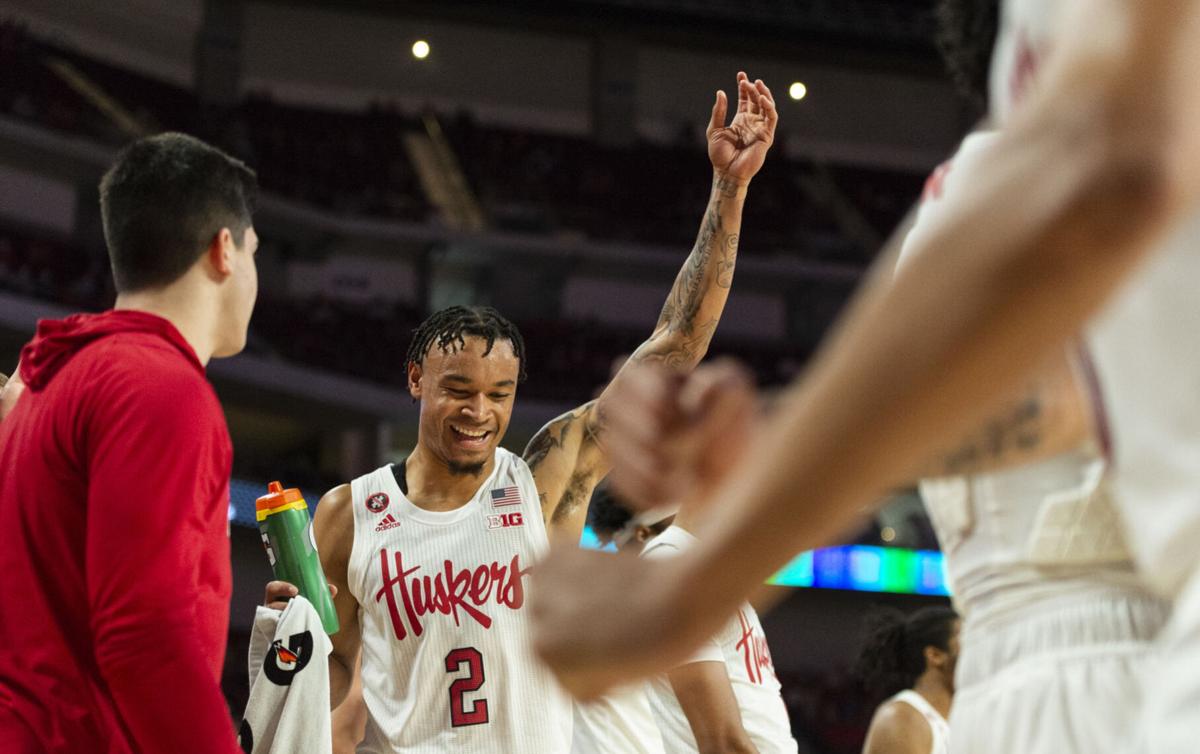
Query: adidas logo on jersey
(389, 522)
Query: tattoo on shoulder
(554, 435)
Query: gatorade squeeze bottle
(287, 536)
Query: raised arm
(1070, 197)
(566, 456)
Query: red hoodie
(114, 547)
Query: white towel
(288, 709)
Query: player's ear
(220, 253)
(934, 657)
(414, 380)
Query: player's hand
(739, 149)
(10, 391)
(601, 620)
(277, 594)
(675, 438)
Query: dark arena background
(546, 158)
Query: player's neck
(931, 686)
(190, 315)
(434, 487)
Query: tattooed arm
(565, 456)
(1050, 416)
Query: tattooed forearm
(679, 353)
(728, 261)
(725, 187)
(696, 299)
(1018, 430)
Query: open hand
(739, 149)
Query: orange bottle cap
(278, 497)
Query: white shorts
(1061, 677)
(1171, 690)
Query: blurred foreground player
(928, 355)
(620, 722)
(114, 570)
(725, 697)
(430, 556)
(910, 660)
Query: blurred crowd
(356, 163)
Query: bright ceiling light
(420, 49)
(797, 90)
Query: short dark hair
(893, 650)
(164, 200)
(965, 37)
(448, 327)
(606, 513)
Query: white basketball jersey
(939, 728)
(1144, 349)
(742, 647)
(447, 663)
(1033, 531)
(1023, 42)
(619, 723)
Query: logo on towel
(283, 663)
(378, 502)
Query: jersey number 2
(459, 714)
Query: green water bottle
(288, 538)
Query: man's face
(466, 401)
(952, 655)
(241, 291)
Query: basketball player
(1059, 625)
(620, 722)
(927, 355)
(114, 570)
(910, 659)
(725, 697)
(430, 556)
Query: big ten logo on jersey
(505, 520)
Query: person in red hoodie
(114, 475)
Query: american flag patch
(506, 496)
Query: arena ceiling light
(420, 49)
(797, 90)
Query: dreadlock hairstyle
(448, 329)
(965, 37)
(893, 650)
